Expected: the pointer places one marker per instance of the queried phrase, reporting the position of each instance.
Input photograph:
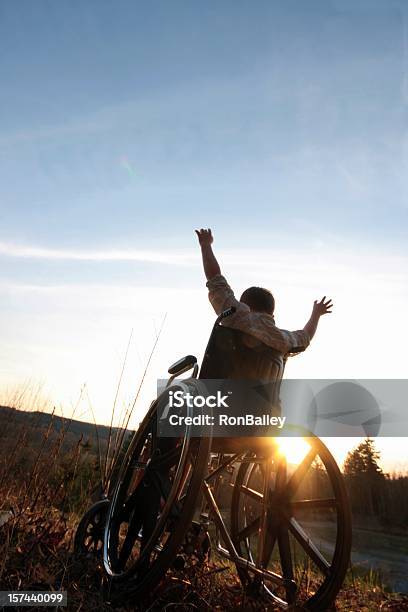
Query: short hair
(259, 299)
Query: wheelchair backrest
(233, 354)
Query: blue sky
(124, 125)
(292, 113)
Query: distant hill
(12, 418)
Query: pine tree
(365, 478)
(363, 460)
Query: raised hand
(210, 263)
(322, 307)
(205, 236)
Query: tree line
(374, 494)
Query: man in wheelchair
(254, 316)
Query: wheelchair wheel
(297, 526)
(152, 504)
(89, 534)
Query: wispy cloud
(38, 252)
(318, 258)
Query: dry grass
(36, 554)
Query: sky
(124, 125)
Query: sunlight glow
(294, 449)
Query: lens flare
(125, 163)
(294, 449)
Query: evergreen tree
(363, 460)
(365, 479)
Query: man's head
(258, 300)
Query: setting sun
(294, 449)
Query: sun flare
(294, 449)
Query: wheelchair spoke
(130, 540)
(270, 540)
(286, 562)
(252, 493)
(304, 504)
(249, 529)
(273, 520)
(300, 473)
(187, 474)
(281, 476)
(309, 547)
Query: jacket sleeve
(221, 295)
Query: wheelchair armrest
(182, 365)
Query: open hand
(322, 307)
(205, 236)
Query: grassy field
(36, 553)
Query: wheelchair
(286, 527)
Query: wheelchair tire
(281, 517)
(88, 538)
(138, 577)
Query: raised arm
(210, 264)
(319, 309)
